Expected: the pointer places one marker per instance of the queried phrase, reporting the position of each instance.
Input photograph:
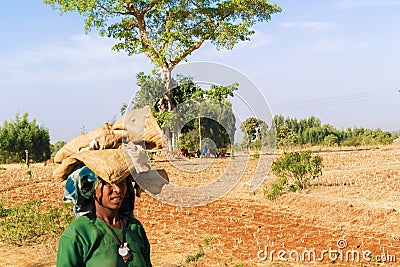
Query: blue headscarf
(80, 187)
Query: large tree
(168, 31)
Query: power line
(343, 99)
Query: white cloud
(308, 25)
(77, 59)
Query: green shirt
(89, 242)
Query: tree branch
(187, 52)
(110, 11)
(167, 30)
(205, 13)
(148, 7)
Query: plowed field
(354, 208)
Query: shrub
(194, 258)
(331, 140)
(32, 222)
(294, 171)
(255, 156)
(207, 240)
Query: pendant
(125, 252)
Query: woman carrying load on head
(105, 232)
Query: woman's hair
(99, 182)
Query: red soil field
(355, 205)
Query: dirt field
(355, 205)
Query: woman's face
(110, 196)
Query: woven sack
(81, 141)
(112, 166)
(140, 126)
(109, 164)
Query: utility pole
(199, 132)
(27, 158)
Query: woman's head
(110, 196)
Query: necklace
(123, 249)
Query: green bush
(255, 156)
(32, 222)
(294, 171)
(207, 240)
(194, 258)
(331, 140)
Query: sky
(338, 60)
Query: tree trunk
(166, 103)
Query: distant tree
(211, 106)
(330, 140)
(251, 128)
(217, 122)
(309, 131)
(56, 147)
(285, 137)
(150, 90)
(385, 138)
(215, 119)
(255, 131)
(20, 136)
(168, 31)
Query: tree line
(21, 137)
(310, 131)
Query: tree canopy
(193, 103)
(168, 31)
(21, 136)
(255, 131)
